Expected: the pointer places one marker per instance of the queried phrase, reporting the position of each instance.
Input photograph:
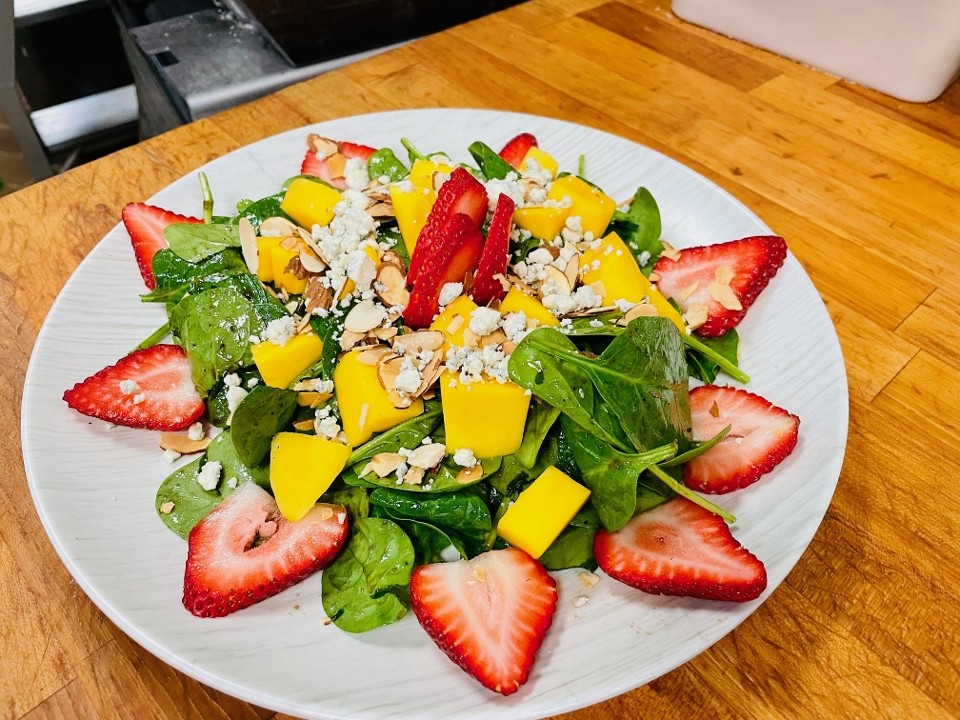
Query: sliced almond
(326, 512)
(587, 312)
(385, 333)
(558, 279)
(391, 285)
(337, 164)
(438, 179)
(304, 325)
(248, 245)
(508, 347)
(724, 274)
(497, 337)
(290, 242)
(316, 296)
(303, 425)
(669, 251)
(372, 356)
(598, 288)
(179, 442)
(503, 280)
(426, 456)
(313, 385)
(392, 256)
(349, 339)
(455, 324)
(689, 290)
(311, 263)
(381, 210)
(470, 474)
(387, 372)
(725, 295)
(277, 227)
(308, 240)
(572, 271)
(414, 476)
(416, 342)
(383, 464)
(470, 339)
(588, 579)
(653, 277)
(715, 409)
(322, 146)
(430, 373)
(695, 316)
(312, 399)
(364, 317)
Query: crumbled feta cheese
(532, 170)
(209, 475)
(355, 174)
(171, 456)
(515, 326)
(231, 483)
(235, 396)
(623, 305)
(643, 258)
(541, 256)
(231, 380)
(484, 321)
(509, 186)
(404, 185)
(325, 424)
(574, 223)
(139, 398)
(361, 270)
(450, 292)
(408, 379)
(253, 382)
(583, 298)
(254, 339)
(350, 230)
(196, 432)
(472, 363)
(129, 387)
(464, 457)
(449, 554)
(536, 195)
(580, 601)
(596, 323)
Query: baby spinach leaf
(540, 420)
(218, 408)
(492, 166)
(681, 489)
(708, 356)
(407, 434)
(353, 499)
(445, 477)
(392, 236)
(640, 227)
(698, 449)
(263, 413)
(650, 494)
(191, 502)
(587, 517)
(384, 162)
(573, 549)
(156, 336)
(266, 306)
(361, 590)
(463, 511)
(222, 450)
(259, 210)
(174, 275)
(429, 541)
(194, 242)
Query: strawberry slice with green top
(496, 253)
(679, 548)
(720, 282)
(455, 254)
(761, 436)
(461, 193)
(150, 388)
(145, 225)
(489, 614)
(517, 148)
(325, 169)
(245, 551)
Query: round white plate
(93, 485)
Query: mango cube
(280, 257)
(542, 511)
(421, 172)
(280, 365)
(302, 468)
(454, 320)
(309, 202)
(593, 206)
(613, 268)
(265, 247)
(411, 208)
(365, 408)
(486, 416)
(541, 221)
(545, 160)
(518, 301)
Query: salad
(439, 382)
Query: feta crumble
(209, 475)
(464, 457)
(450, 292)
(171, 456)
(196, 432)
(484, 321)
(129, 387)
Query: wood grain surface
(866, 190)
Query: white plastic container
(909, 49)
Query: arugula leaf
(384, 162)
(361, 590)
(174, 275)
(492, 166)
(573, 549)
(640, 227)
(194, 242)
(263, 413)
(223, 451)
(191, 502)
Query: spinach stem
(207, 198)
(728, 367)
(582, 166)
(690, 494)
(156, 336)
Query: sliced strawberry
(496, 252)
(679, 548)
(150, 388)
(461, 193)
(489, 614)
(145, 224)
(516, 149)
(694, 278)
(320, 167)
(761, 436)
(455, 254)
(225, 572)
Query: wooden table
(865, 189)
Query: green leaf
(698, 449)
(155, 337)
(259, 210)
(540, 420)
(175, 277)
(361, 590)
(191, 502)
(640, 227)
(223, 451)
(263, 413)
(194, 241)
(384, 162)
(708, 356)
(429, 540)
(573, 549)
(681, 489)
(354, 500)
(463, 511)
(408, 434)
(492, 166)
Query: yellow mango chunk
(613, 268)
(365, 408)
(542, 511)
(591, 204)
(518, 301)
(454, 319)
(280, 257)
(302, 468)
(545, 160)
(486, 416)
(280, 365)
(421, 172)
(265, 247)
(349, 286)
(541, 221)
(310, 203)
(411, 208)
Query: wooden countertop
(866, 190)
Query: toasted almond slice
(426, 456)
(316, 296)
(313, 385)
(640, 310)
(724, 274)
(337, 163)
(508, 347)
(304, 325)
(248, 245)
(392, 256)
(725, 295)
(373, 355)
(470, 339)
(572, 271)
(179, 442)
(689, 290)
(349, 339)
(391, 285)
(598, 288)
(381, 210)
(455, 324)
(277, 227)
(312, 399)
(715, 409)
(384, 464)
(587, 312)
(364, 317)
(385, 333)
(430, 394)
(416, 342)
(588, 579)
(304, 425)
(324, 147)
(311, 263)
(558, 279)
(290, 242)
(387, 371)
(470, 474)
(438, 179)
(430, 374)
(653, 277)
(695, 316)
(414, 476)
(167, 507)
(503, 280)
(497, 337)
(326, 512)
(669, 251)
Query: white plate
(94, 485)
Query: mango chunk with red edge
(281, 364)
(486, 416)
(541, 221)
(615, 275)
(309, 202)
(454, 320)
(542, 511)
(421, 172)
(518, 301)
(412, 208)
(280, 257)
(544, 160)
(265, 247)
(302, 468)
(365, 408)
(591, 204)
